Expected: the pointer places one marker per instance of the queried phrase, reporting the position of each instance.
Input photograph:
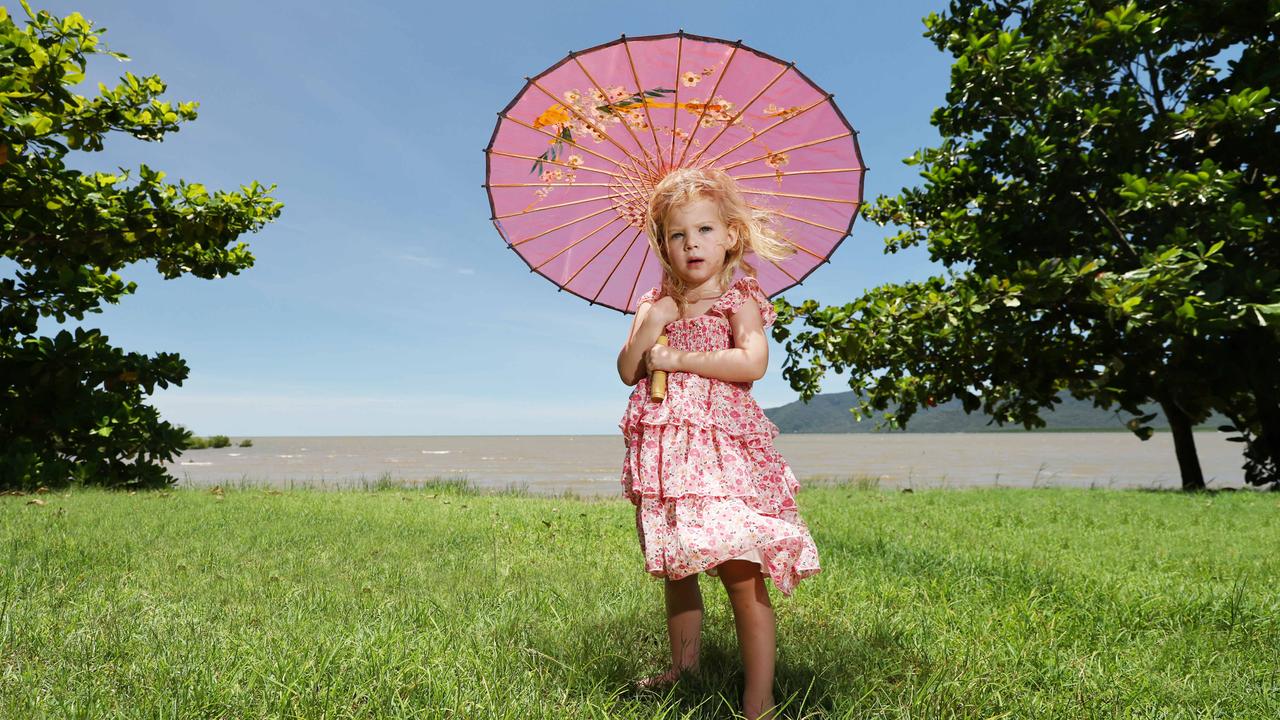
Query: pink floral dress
(701, 468)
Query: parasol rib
(584, 119)
(811, 143)
(675, 107)
(636, 194)
(575, 243)
(593, 257)
(798, 219)
(710, 99)
(734, 119)
(657, 149)
(648, 248)
(618, 264)
(799, 196)
(574, 143)
(551, 184)
(797, 172)
(814, 255)
(780, 268)
(553, 162)
(752, 138)
(563, 225)
(644, 159)
(558, 205)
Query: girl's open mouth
(694, 262)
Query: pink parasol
(575, 156)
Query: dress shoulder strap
(652, 294)
(743, 288)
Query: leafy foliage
(1104, 200)
(72, 406)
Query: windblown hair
(753, 226)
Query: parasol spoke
(553, 162)
(784, 270)
(618, 264)
(799, 196)
(675, 107)
(648, 248)
(657, 148)
(551, 184)
(693, 160)
(574, 143)
(634, 194)
(584, 119)
(798, 219)
(756, 136)
(593, 257)
(799, 146)
(816, 171)
(575, 243)
(710, 98)
(558, 205)
(644, 158)
(810, 253)
(562, 225)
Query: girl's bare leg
(684, 629)
(757, 633)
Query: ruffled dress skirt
(709, 486)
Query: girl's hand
(662, 312)
(661, 357)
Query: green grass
(436, 601)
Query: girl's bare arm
(745, 362)
(644, 333)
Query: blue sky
(384, 302)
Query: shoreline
(592, 464)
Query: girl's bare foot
(763, 710)
(663, 680)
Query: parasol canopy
(576, 154)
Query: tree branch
(1156, 95)
(1093, 205)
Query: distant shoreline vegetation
(195, 442)
(829, 413)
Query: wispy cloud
(434, 262)
(422, 260)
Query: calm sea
(591, 464)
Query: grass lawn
(442, 602)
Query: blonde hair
(753, 226)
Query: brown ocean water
(591, 464)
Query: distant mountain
(830, 414)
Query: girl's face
(697, 241)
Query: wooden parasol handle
(658, 378)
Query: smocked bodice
(696, 400)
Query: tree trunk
(1184, 444)
(1268, 441)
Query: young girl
(711, 492)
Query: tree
(72, 406)
(1104, 201)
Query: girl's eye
(673, 236)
